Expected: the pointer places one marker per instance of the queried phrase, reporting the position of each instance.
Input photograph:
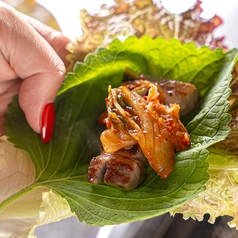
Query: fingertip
(36, 97)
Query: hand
(32, 65)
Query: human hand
(32, 59)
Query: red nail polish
(47, 122)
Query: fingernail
(47, 122)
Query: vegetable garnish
(62, 164)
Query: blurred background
(66, 14)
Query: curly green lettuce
(221, 195)
(138, 18)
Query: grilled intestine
(124, 168)
(142, 126)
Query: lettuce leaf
(62, 164)
(15, 165)
(36, 208)
(221, 195)
(138, 18)
(31, 207)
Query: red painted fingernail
(47, 122)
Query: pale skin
(32, 62)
